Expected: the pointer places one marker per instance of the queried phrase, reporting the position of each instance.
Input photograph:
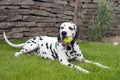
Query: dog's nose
(64, 33)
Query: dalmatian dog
(54, 48)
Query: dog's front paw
(17, 54)
(86, 71)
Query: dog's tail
(11, 44)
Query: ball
(68, 39)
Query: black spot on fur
(59, 38)
(62, 27)
(68, 48)
(56, 45)
(60, 60)
(67, 54)
(28, 42)
(37, 50)
(43, 52)
(40, 38)
(69, 64)
(34, 38)
(25, 49)
(74, 51)
(79, 55)
(47, 45)
(71, 52)
(54, 53)
(41, 44)
(51, 48)
(74, 27)
(83, 59)
(33, 42)
(70, 28)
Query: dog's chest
(71, 53)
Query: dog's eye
(70, 28)
(61, 27)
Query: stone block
(15, 12)
(2, 7)
(90, 5)
(25, 2)
(51, 29)
(36, 29)
(97, 1)
(20, 29)
(42, 4)
(2, 18)
(57, 11)
(13, 18)
(12, 7)
(33, 34)
(25, 7)
(118, 16)
(42, 25)
(51, 10)
(49, 5)
(44, 1)
(53, 34)
(86, 1)
(69, 13)
(37, 19)
(61, 2)
(14, 35)
(17, 2)
(72, 3)
(5, 25)
(89, 11)
(7, 2)
(24, 24)
(60, 20)
(84, 16)
(42, 13)
(117, 8)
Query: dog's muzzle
(64, 35)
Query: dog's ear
(59, 39)
(77, 33)
(76, 36)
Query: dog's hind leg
(98, 64)
(20, 52)
(26, 48)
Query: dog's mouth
(64, 43)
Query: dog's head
(68, 29)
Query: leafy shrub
(102, 21)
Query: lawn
(35, 68)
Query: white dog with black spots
(55, 48)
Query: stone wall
(28, 18)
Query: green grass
(35, 68)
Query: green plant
(102, 22)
